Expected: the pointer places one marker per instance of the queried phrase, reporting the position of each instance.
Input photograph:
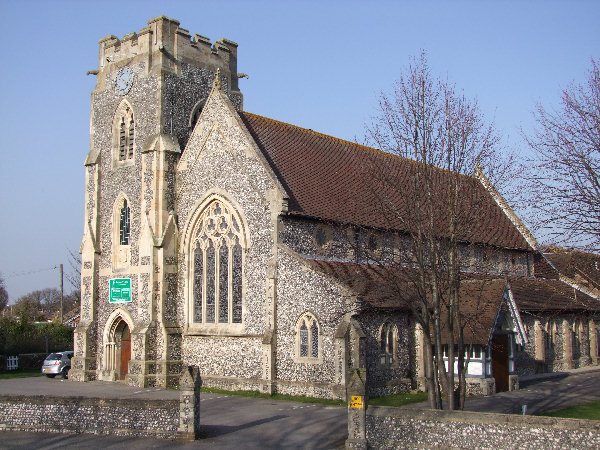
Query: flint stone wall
(404, 428)
(130, 417)
(220, 161)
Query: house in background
(243, 245)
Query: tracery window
(308, 337)
(387, 343)
(217, 267)
(124, 224)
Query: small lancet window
(124, 224)
(387, 343)
(308, 337)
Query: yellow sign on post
(356, 401)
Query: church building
(222, 239)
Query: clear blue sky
(316, 64)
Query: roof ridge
(356, 144)
(321, 134)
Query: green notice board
(120, 290)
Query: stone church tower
(151, 87)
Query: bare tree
(565, 175)
(3, 294)
(38, 304)
(74, 276)
(435, 200)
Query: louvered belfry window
(122, 140)
(124, 224)
(126, 135)
(218, 260)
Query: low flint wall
(406, 428)
(127, 417)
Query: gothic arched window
(123, 135)
(307, 337)
(387, 343)
(217, 258)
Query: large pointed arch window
(217, 260)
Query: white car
(57, 363)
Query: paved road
(232, 421)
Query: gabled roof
(581, 268)
(336, 180)
(380, 287)
(550, 296)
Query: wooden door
(500, 361)
(125, 353)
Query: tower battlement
(165, 46)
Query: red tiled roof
(580, 266)
(391, 288)
(332, 179)
(553, 296)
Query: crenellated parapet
(165, 46)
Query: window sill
(307, 360)
(225, 329)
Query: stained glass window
(210, 282)
(224, 284)
(314, 340)
(219, 268)
(308, 337)
(303, 340)
(198, 283)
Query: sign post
(120, 290)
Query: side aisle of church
(239, 244)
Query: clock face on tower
(123, 80)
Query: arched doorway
(118, 350)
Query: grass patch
(289, 398)
(398, 399)
(20, 373)
(589, 411)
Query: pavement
(230, 421)
(539, 393)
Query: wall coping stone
(485, 418)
